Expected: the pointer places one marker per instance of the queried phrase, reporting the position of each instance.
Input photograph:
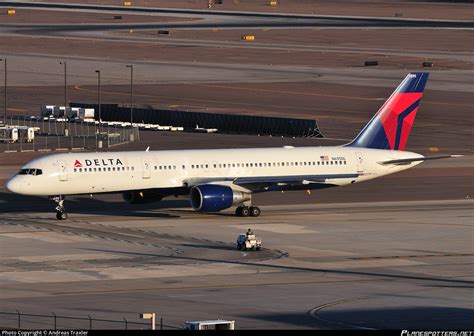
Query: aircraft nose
(14, 185)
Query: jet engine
(141, 197)
(213, 197)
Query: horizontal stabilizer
(423, 158)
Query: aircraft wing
(410, 160)
(264, 181)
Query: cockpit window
(30, 171)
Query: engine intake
(212, 197)
(141, 197)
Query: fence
(18, 320)
(61, 135)
(225, 123)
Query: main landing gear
(245, 211)
(61, 213)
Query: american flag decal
(324, 158)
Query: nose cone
(14, 185)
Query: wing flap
(291, 178)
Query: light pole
(5, 92)
(65, 82)
(131, 93)
(66, 131)
(98, 95)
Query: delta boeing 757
(218, 179)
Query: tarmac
(341, 265)
(392, 253)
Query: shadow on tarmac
(429, 281)
(13, 203)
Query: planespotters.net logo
(437, 333)
(98, 163)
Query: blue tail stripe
(373, 137)
(416, 84)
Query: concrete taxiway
(345, 265)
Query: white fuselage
(103, 172)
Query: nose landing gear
(61, 213)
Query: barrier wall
(225, 123)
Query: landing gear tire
(242, 211)
(61, 215)
(254, 211)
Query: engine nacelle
(213, 197)
(141, 197)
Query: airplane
(218, 179)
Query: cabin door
(360, 162)
(62, 170)
(146, 169)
